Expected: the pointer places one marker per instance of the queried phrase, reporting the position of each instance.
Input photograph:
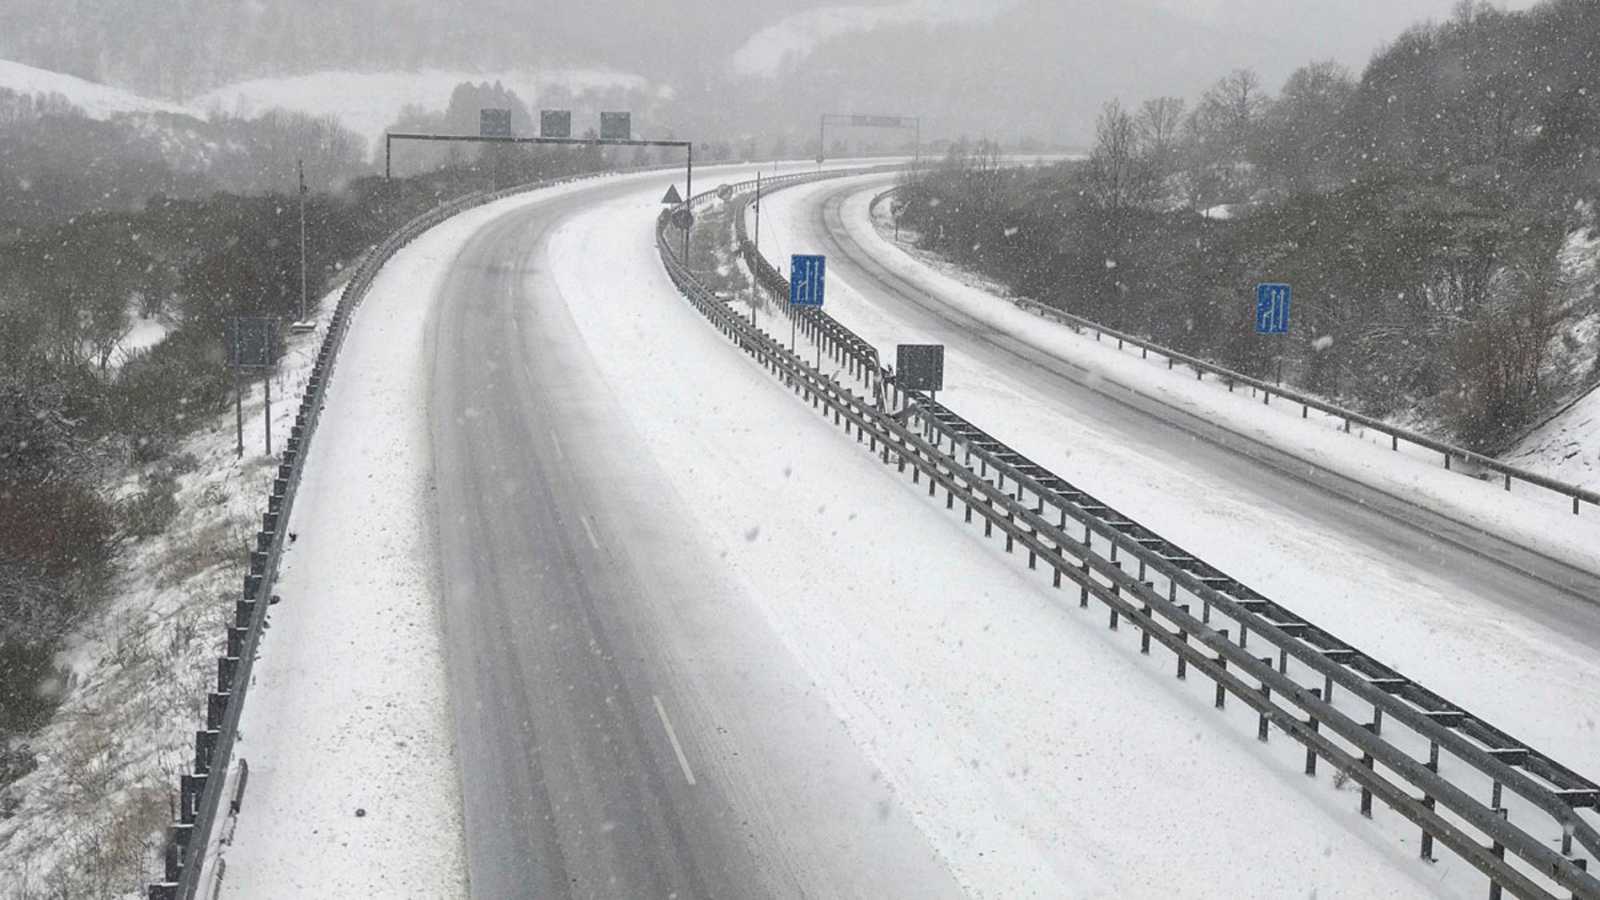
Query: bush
(24, 667)
(54, 542)
(160, 395)
(149, 512)
(55, 529)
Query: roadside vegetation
(122, 512)
(1429, 213)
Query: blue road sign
(807, 278)
(1272, 308)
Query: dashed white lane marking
(672, 736)
(556, 442)
(589, 531)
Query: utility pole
(302, 167)
(688, 194)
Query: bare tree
(1159, 121)
(1221, 130)
(1158, 124)
(1118, 177)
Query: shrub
(162, 394)
(150, 511)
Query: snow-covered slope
(1566, 447)
(99, 101)
(369, 102)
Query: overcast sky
(1002, 68)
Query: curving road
(1465, 611)
(1546, 587)
(626, 726)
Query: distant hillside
(181, 48)
(1002, 68)
(369, 103)
(97, 101)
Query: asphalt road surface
(625, 726)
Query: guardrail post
(1266, 694)
(1426, 852)
(1183, 638)
(1366, 792)
(1499, 851)
(1311, 753)
(1222, 663)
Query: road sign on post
(919, 367)
(494, 123)
(807, 279)
(555, 123)
(251, 341)
(672, 197)
(1272, 308)
(616, 126)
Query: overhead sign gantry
(913, 123)
(555, 127)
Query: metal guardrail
(1307, 402)
(1466, 757)
(200, 793)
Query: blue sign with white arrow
(807, 278)
(1272, 308)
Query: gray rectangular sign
(251, 342)
(919, 367)
(555, 123)
(494, 123)
(616, 126)
(878, 121)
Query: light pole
(302, 168)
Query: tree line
(1419, 210)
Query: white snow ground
(1567, 447)
(1536, 679)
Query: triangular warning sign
(672, 195)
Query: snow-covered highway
(695, 641)
(1512, 634)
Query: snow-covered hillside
(369, 102)
(98, 101)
